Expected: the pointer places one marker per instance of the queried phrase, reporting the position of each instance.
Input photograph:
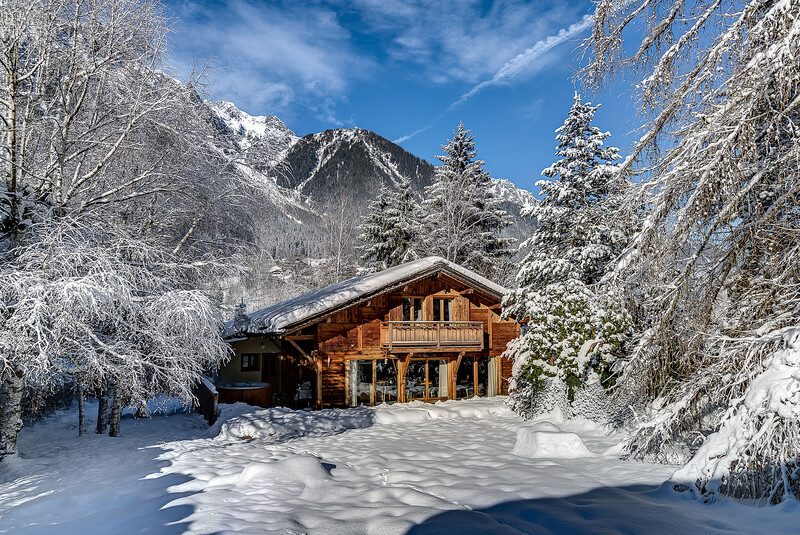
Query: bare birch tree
(340, 220)
(98, 143)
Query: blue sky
(409, 70)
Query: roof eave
(361, 299)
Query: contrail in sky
(513, 67)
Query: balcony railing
(432, 335)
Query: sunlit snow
(419, 468)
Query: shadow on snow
(649, 509)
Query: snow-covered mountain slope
(354, 162)
(350, 162)
(299, 177)
(510, 193)
(514, 200)
(264, 139)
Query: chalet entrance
(373, 382)
(427, 379)
(476, 376)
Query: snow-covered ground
(443, 468)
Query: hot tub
(258, 394)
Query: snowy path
(444, 468)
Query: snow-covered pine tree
(377, 248)
(405, 217)
(719, 253)
(572, 333)
(389, 227)
(462, 217)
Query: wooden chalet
(426, 330)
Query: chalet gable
(315, 306)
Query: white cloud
(463, 40)
(285, 57)
(524, 62)
(271, 56)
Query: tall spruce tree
(376, 233)
(573, 334)
(404, 217)
(462, 217)
(389, 228)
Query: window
(250, 362)
(442, 311)
(412, 309)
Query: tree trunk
(11, 390)
(11, 225)
(81, 408)
(116, 413)
(102, 412)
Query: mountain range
(302, 177)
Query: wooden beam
(301, 351)
(317, 363)
(299, 337)
(468, 291)
(401, 377)
(496, 306)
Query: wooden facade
(437, 337)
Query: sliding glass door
(426, 379)
(373, 382)
(475, 377)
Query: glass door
(426, 379)
(416, 380)
(385, 381)
(476, 376)
(373, 382)
(465, 378)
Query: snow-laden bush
(571, 336)
(592, 401)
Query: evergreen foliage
(714, 272)
(572, 332)
(377, 233)
(462, 217)
(389, 228)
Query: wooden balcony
(432, 335)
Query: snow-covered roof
(278, 318)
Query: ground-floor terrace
(271, 372)
(421, 376)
